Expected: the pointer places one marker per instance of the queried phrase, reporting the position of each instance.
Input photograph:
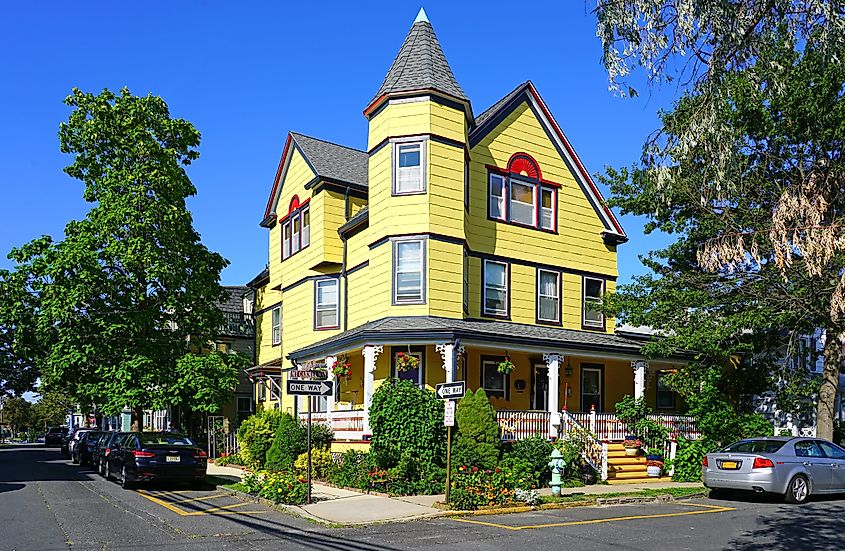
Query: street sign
(446, 391)
(449, 414)
(298, 387)
(309, 374)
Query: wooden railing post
(604, 460)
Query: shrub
(321, 436)
(529, 460)
(255, 436)
(322, 464)
(279, 487)
(353, 471)
(478, 442)
(577, 471)
(408, 477)
(406, 419)
(687, 461)
(473, 487)
(234, 459)
(287, 445)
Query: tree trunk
(830, 385)
(137, 419)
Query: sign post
(450, 392)
(301, 387)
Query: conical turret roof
(420, 64)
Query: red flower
(475, 469)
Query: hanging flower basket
(406, 362)
(506, 365)
(342, 368)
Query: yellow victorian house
(460, 239)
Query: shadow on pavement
(818, 525)
(4, 487)
(38, 464)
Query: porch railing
(607, 427)
(223, 444)
(516, 425)
(348, 424)
(683, 425)
(595, 451)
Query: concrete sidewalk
(338, 506)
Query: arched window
(296, 227)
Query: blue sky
(246, 73)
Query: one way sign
(298, 387)
(446, 391)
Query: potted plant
(406, 362)
(506, 365)
(654, 464)
(342, 368)
(632, 445)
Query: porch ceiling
(433, 329)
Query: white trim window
(522, 206)
(409, 167)
(497, 197)
(593, 291)
(547, 209)
(296, 232)
(493, 382)
(326, 304)
(409, 271)
(276, 323)
(548, 296)
(495, 289)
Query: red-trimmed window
(296, 228)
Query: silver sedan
(792, 467)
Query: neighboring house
(236, 334)
(807, 354)
(455, 237)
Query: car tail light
(704, 461)
(108, 451)
(762, 463)
(142, 453)
(200, 454)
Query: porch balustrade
(346, 424)
(516, 425)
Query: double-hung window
(518, 200)
(593, 291)
(276, 315)
(296, 232)
(548, 296)
(495, 300)
(493, 382)
(326, 307)
(665, 398)
(409, 171)
(408, 271)
(416, 375)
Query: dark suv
(53, 438)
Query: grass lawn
(674, 492)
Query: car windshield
(56, 430)
(164, 438)
(756, 446)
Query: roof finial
(421, 17)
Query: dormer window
(408, 167)
(296, 228)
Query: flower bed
(279, 487)
(473, 488)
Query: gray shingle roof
(235, 302)
(493, 109)
(334, 161)
(420, 64)
(421, 328)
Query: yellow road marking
(709, 509)
(222, 510)
(199, 499)
(145, 494)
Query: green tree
(131, 281)
(17, 414)
(255, 436)
(289, 442)
(206, 381)
(407, 420)
(51, 409)
(746, 171)
(478, 442)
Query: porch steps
(626, 469)
(644, 480)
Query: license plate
(730, 465)
(173, 459)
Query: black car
(113, 442)
(54, 436)
(166, 456)
(97, 447)
(82, 450)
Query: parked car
(147, 456)
(114, 441)
(793, 467)
(54, 436)
(73, 442)
(97, 448)
(82, 450)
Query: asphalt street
(46, 503)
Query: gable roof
(328, 161)
(420, 65)
(487, 121)
(235, 302)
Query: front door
(540, 388)
(591, 387)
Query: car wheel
(124, 480)
(100, 468)
(107, 472)
(74, 459)
(798, 490)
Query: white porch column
(553, 361)
(639, 367)
(371, 353)
(330, 363)
(448, 352)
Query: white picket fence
(516, 425)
